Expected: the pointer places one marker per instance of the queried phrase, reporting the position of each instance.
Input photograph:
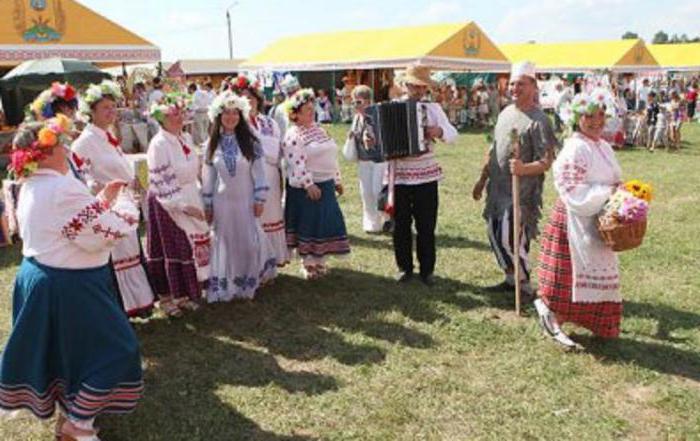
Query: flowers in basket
(623, 221)
(628, 205)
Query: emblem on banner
(39, 23)
(472, 42)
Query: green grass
(356, 357)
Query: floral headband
(96, 92)
(169, 104)
(228, 100)
(41, 106)
(301, 97)
(29, 148)
(242, 83)
(584, 104)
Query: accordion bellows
(397, 129)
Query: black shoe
(404, 277)
(501, 287)
(428, 280)
(388, 226)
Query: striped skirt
(315, 228)
(556, 282)
(71, 345)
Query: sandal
(58, 431)
(310, 273)
(170, 309)
(71, 433)
(189, 305)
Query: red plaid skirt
(556, 280)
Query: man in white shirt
(201, 99)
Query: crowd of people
(241, 192)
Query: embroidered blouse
(422, 169)
(311, 156)
(63, 226)
(102, 162)
(230, 152)
(173, 176)
(585, 175)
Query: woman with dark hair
(101, 160)
(234, 190)
(268, 133)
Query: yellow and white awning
(444, 46)
(616, 55)
(33, 29)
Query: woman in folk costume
(578, 275)
(178, 243)
(234, 191)
(370, 173)
(102, 161)
(314, 223)
(268, 133)
(60, 98)
(70, 343)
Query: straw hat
(418, 75)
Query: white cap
(523, 69)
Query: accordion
(397, 129)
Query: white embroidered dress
(102, 163)
(268, 132)
(585, 175)
(242, 258)
(173, 168)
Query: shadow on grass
(658, 357)
(669, 319)
(192, 375)
(384, 242)
(10, 256)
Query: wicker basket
(623, 237)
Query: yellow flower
(63, 122)
(47, 138)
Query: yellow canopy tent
(616, 55)
(679, 57)
(33, 29)
(444, 46)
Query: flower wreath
(96, 92)
(170, 102)
(25, 158)
(584, 104)
(301, 97)
(228, 100)
(242, 83)
(41, 106)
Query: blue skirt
(70, 345)
(315, 228)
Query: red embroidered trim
(86, 216)
(108, 232)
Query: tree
(660, 37)
(629, 35)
